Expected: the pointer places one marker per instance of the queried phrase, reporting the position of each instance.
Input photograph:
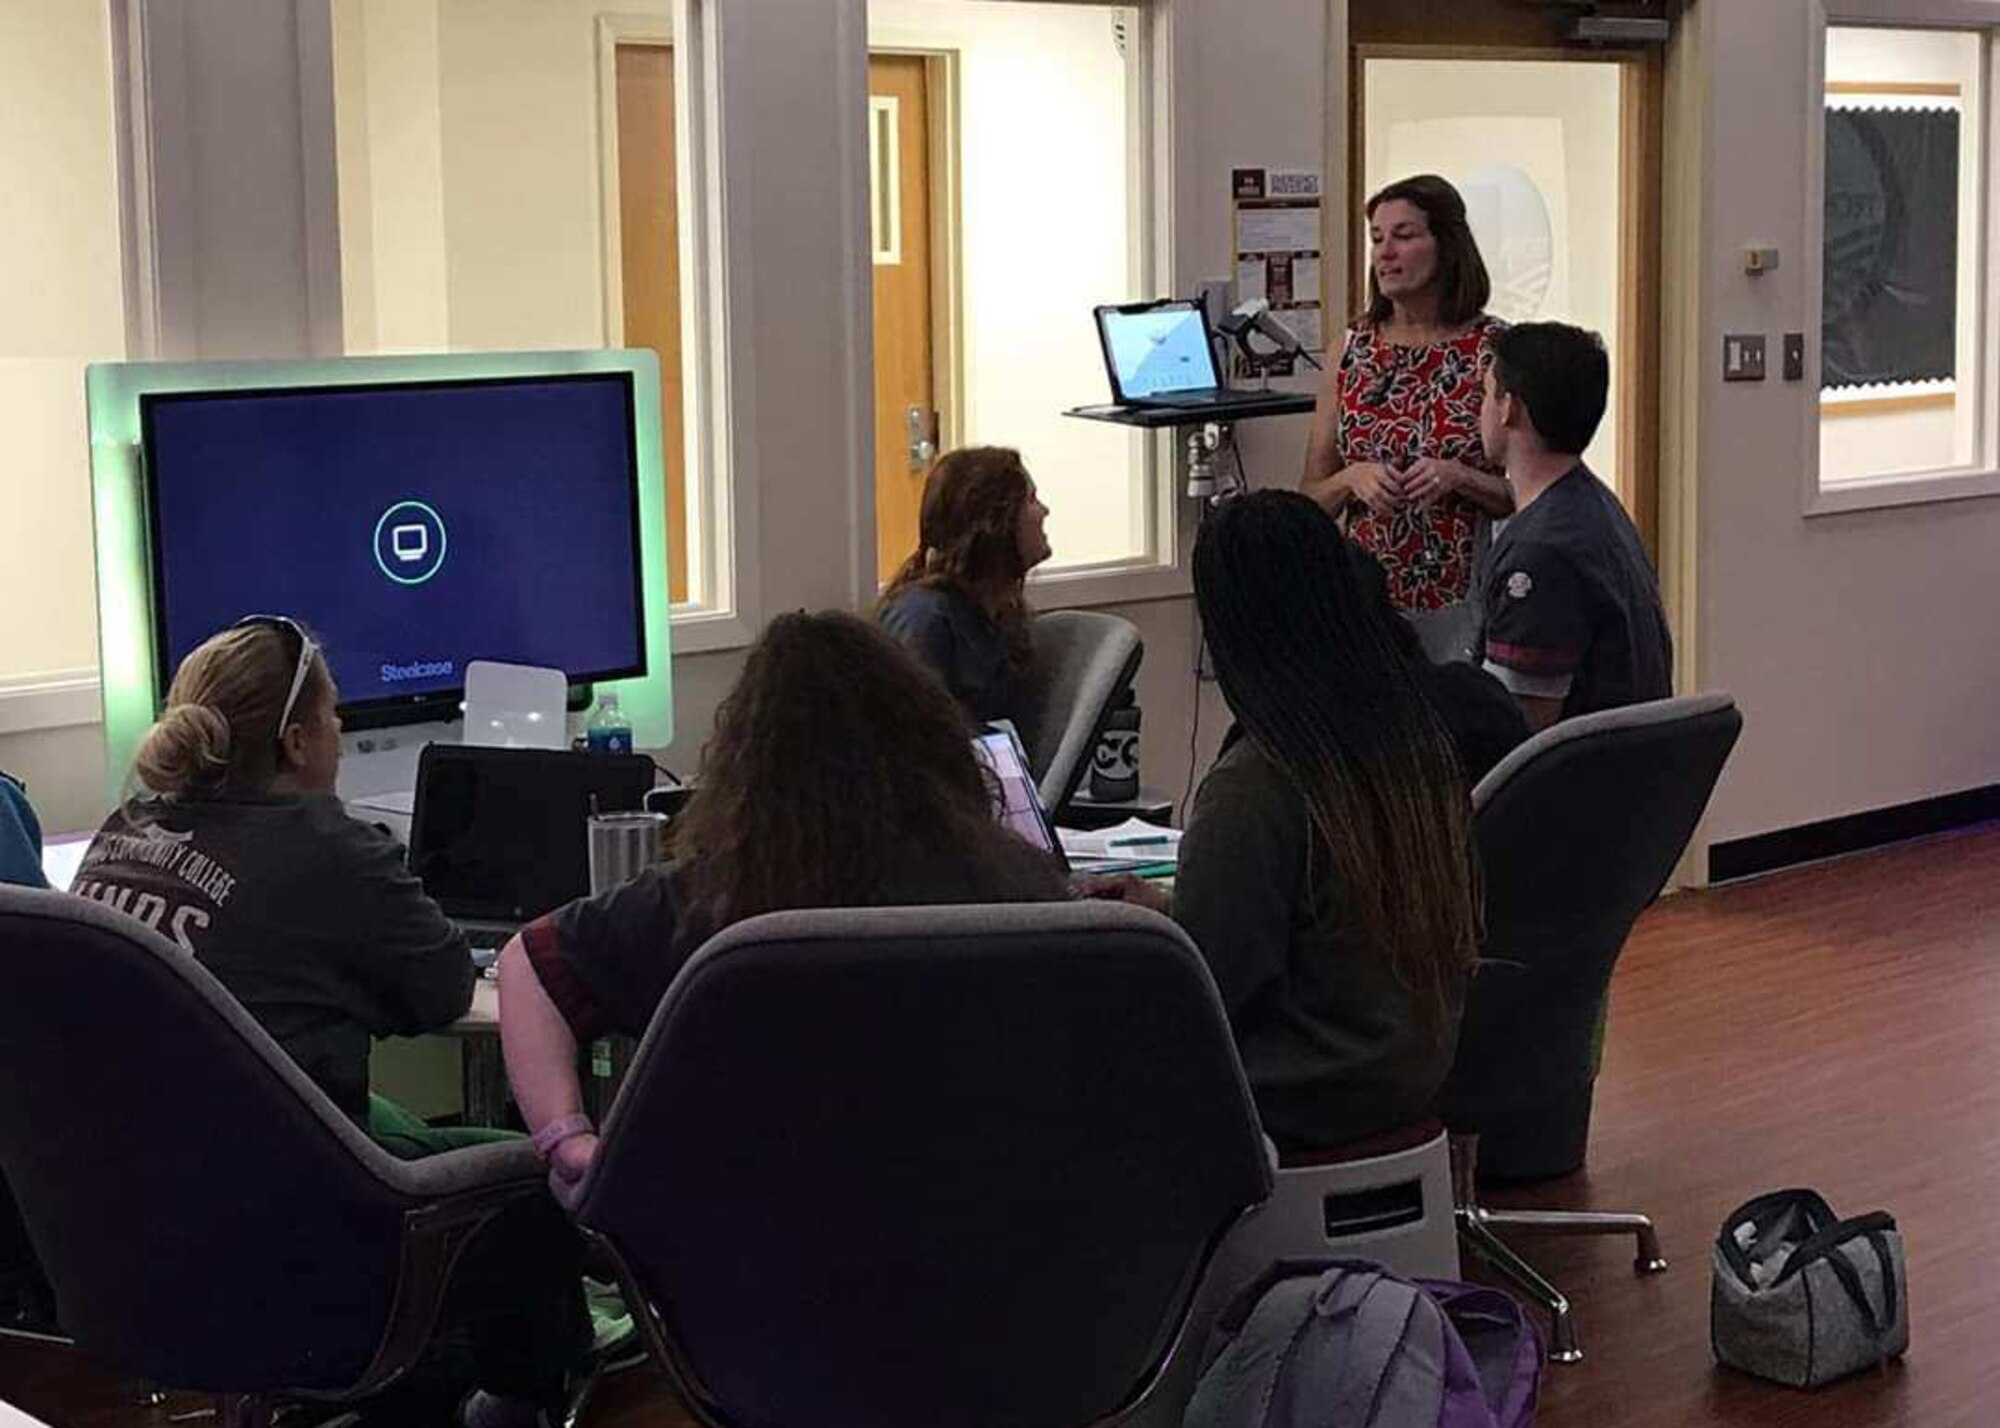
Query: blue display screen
(414, 528)
(1160, 351)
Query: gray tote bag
(1803, 1297)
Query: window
(1010, 178)
(62, 293)
(1903, 366)
(529, 174)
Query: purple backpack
(1346, 1344)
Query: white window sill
(1920, 488)
(698, 631)
(63, 699)
(1084, 588)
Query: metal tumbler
(622, 845)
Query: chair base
(1476, 1232)
(244, 1410)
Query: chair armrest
(469, 1170)
(456, 1194)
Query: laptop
(498, 836)
(1162, 354)
(1017, 799)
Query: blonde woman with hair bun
(236, 847)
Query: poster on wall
(1892, 205)
(1278, 255)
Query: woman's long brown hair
(1312, 670)
(968, 539)
(836, 760)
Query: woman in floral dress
(1395, 443)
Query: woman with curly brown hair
(958, 601)
(840, 775)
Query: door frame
(1642, 87)
(942, 66)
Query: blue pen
(1158, 842)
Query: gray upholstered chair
(1578, 830)
(210, 1221)
(912, 1166)
(1084, 662)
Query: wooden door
(900, 216)
(650, 261)
(1498, 31)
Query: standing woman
(1395, 447)
(959, 602)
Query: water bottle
(609, 731)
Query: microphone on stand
(1255, 316)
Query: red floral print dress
(1401, 403)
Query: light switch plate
(1743, 357)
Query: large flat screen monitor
(414, 526)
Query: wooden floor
(1837, 1027)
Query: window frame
(1161, 569)
(720, 521)
(1981, 477)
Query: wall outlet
(1795, 357)
(1743, 357)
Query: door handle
(923, 437)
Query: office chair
(912, 1166)
(1387, 1199)
(210, 1221)
(1083, 662)
(1578, 830)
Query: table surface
(483, 1017)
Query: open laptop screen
(1155, 348)
(500, 834)
(1017, 802)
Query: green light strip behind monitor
(118, 498)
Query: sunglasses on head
(306, 651)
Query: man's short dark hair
(1560, 374)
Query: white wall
(390, 136)
(1043, 243)
(518, 99)
(1860, 645)
(61, 306)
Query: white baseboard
(59, 699)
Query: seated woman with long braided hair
(1326, 873)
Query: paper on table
(1134, 838)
